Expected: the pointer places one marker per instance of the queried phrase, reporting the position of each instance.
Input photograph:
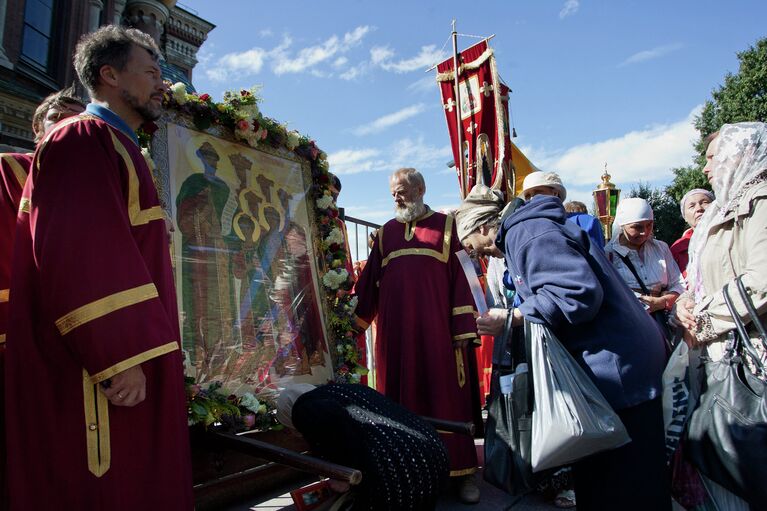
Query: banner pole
(462, 172)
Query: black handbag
(660, 316)
(727, 433)
(508, 432)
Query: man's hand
(654, 303)
(492, 322)
(128, 388)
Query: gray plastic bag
(571, 418)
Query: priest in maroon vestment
(14, 168)
(97, 407)
(414, 284)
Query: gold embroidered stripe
(59, 125)
(2, 338)
(464, 472)
(466, 309)
(18, 171)
(361, 322)
(461, 370)
(441, 257)
(97, 442)
(380, 240)
(25, 205)
(5, 294)
(134, 361)
(464, 336)
(104, 306)
(137, 215)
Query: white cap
(550, 179)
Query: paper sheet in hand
(471, 276)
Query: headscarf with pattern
(739, 161)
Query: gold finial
(606, 180)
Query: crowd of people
(94, 368)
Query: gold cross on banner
(449, 105)
(485, 89)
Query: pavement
(491, 498)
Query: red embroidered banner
(484, 120)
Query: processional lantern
(606, 197)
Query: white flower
(324, 202)
(178, 90)
(334, 278)
(294, 138)
(148, 157)
(335, 236)
(250, 402)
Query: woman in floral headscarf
(729, 240)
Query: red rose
(204, 97)
(243, 125)
(333, 213)
(325, 220)
(244, 93)
(343, 369)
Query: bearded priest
(97, 411)
(414, 284)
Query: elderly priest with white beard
(415, 286)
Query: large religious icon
(246, 270)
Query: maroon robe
(13, 173)
(414, 283)
(93, 295)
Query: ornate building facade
(38, 39)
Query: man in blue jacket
(565, 282)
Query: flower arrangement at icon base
(240, 112)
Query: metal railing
(353, 228)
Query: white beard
(411, 211)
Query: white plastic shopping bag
(571, 418)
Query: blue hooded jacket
(567, 283)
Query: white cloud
(429, 55)
(380, 54)
(245, 63)
(569, 9)
(643, 155)
(353, 72)
(282, 60)
(353, 161)
(311, 56)
(389, 120)
(267, 32)
(404, 153)
(654, 53)
(426, 84)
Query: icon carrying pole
(462, 176)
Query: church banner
(245, 262)
(484, 122)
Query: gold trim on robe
(2, 338)
(18, 170)
(134, 361)
(137, 215)
(59, 125)
(410, 226)
(466, 309)
(441, 257)
(464, 472)
(464, 336)
(5, 295)
(364, 325)
(25, 205)
(97, 439)
(104, 306)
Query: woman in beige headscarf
(730, 240)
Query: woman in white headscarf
(646, 264)
(730, 240)
(693, 205)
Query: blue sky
(593, 81)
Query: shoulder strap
(633, 270)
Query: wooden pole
(462, 177)
(292, 459)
